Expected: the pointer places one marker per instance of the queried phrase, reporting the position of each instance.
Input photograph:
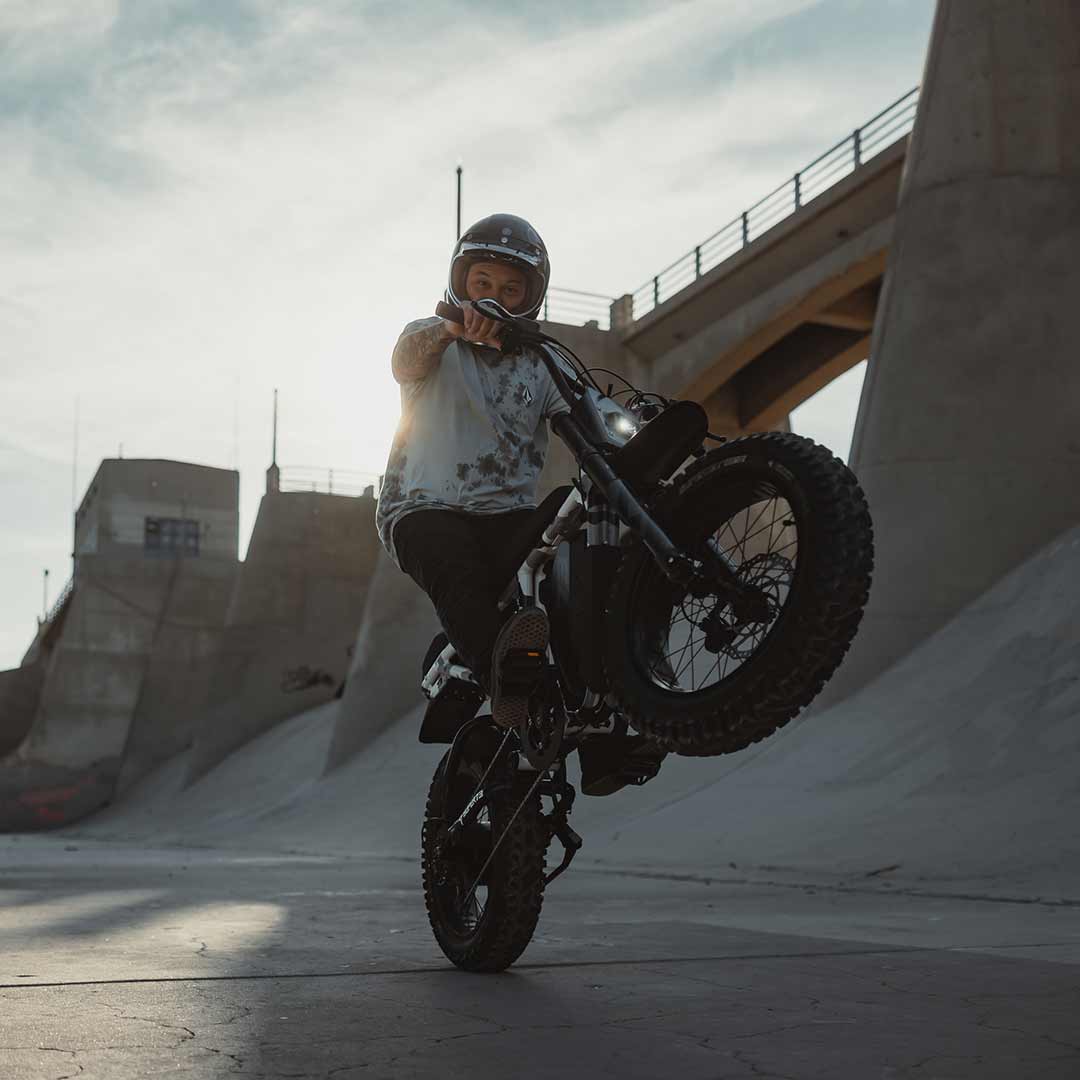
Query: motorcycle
(698, 595)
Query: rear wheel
(488, 928)
(790, 519)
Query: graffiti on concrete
(300, 678)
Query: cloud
(203, 201)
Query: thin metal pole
(457, 235)
(798, 191)
(273, 450)
(697, 261)
(44, 595)
(858, 147)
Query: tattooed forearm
(418, 353)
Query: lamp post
(457, 235)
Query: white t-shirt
(472, 436)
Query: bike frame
(583, 432)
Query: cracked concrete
(263, 965)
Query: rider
(464, 465)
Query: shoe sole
(527, 631)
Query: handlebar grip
(450, 312)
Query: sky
(204, 200)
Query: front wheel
(487, 928)
(790, 518)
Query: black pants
(461, 562)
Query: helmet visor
(530, 262)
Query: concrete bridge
(773, 306)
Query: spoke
(693, 655)
(685, 663)
(764, 506)
(772, 525)
(741, 543)
(769, 526)
(689, 639)
(716, 664)
(730, 551)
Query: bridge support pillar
(966, 440)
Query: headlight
(620, 426)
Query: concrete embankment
(954, 770)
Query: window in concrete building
(171, 536)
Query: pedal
(455, 704)
(520, 671)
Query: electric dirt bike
(697, 597)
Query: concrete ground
(888, 888)
(121, 960)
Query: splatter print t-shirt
(473, 435)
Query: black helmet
(502, 238)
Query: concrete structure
(956, 770)
(164, 639)
(770, 326)
(384, 677)
(20, 691)
(767, 328)
(889, 887)
(966, 441)
(159, 508)
(155, 556)
(292, 619)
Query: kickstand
(571, 843)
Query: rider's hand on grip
(468, 324)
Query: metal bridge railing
(61, 600)
(329, 481)
(823, 172)
(576, 308)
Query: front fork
(551, 782)
(714, 574)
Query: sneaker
(518, 662)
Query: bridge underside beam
(794, 369)
(855, 311)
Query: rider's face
(496, 281)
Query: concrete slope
(398, 625)
(292, 619)
(20, 689)
(956, 769)
(966, 441)
(124, 613)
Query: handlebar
(515, 330)
(450, 312)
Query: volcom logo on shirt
(525, 395)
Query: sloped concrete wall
(68, 763)
(176, 681)
(966, 441)
(20, 689)
(384, 678)
(293, 617)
